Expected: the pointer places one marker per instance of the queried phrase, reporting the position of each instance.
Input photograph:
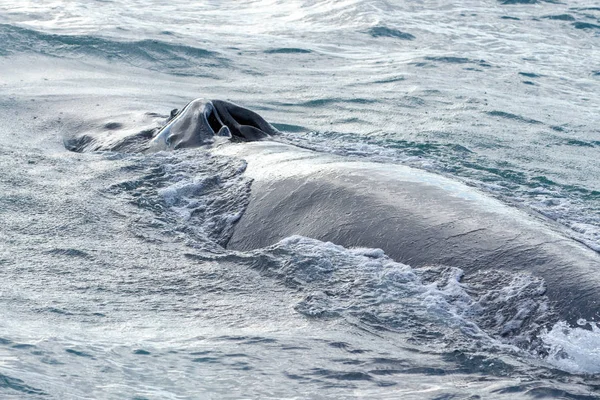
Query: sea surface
(114, 282)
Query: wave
(175, 59)
(433, 305)
(366, 287)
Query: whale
(416, 217)
(202, 121)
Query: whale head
(202, 122)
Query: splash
(573, 349)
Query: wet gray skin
(416, 217)
(201, 122)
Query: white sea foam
(573, 349)
(494, 307)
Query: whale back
(417, 218)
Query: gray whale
(416, 217)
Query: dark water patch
(339, 345)
(141, 352)
(507, 174)
(511, 18)
(553, 393)
(341, 375)
(5, 342)
(55, 310)
(159, 115)
(473, 69)
(347, 361)
(543, 180)
(514, 117)
(389, 366)
(585, 25)
(290, 128)
(529, 83)
(208, 357)
(113, 125)
(386, 383)
(510, 389)
(537, 391)
(450, 60)
(586, 194)
(579, 143)
(296, 377)
(287, 50)
(302, 348)
(530, 74)
(560, 17)
(422, 64)
(23, 346)
(201, 353)
(425, 148)
(70, 253)
(557, 128)
(384, 31)
(257, 340)
(458, 60)
(206, 360)
(391, 80)
(241, 366)
(391, 361)
(596, 73)
(248, 339)
(509, 2)
(431, 371)
(150, 54)
(19, 386)
(346, 347)
(351, 120)
(79, 353)
(232, 338)
(327, 101)
(474, 363)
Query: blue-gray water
(112, 280)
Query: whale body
(416, 217)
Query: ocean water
(114, 283)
